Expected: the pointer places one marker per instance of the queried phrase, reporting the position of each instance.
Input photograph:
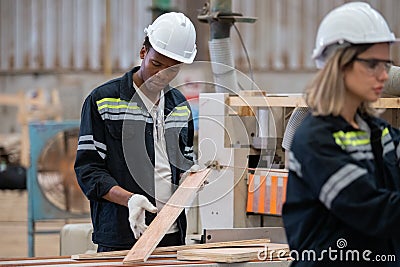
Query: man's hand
(137, 204)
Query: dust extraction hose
(223, 66)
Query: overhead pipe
(218, 13)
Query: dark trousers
(168, 240)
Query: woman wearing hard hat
(343, 192)
(136, 139)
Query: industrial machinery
(53, 192)
(234, 142)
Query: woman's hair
(326, 92)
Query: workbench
(153, 261)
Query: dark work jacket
(343, 193)
(116, 147)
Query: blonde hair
(326, 92)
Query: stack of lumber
(230, 254)
(223, 252)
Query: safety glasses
(375, 66)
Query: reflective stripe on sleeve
(398, 151)
(294, 164)
(175, 124)
(362, 155)
(387, 142)
(339, 181)
(86, 142)
(388, 148)
(188, 152)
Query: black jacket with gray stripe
(343, 192)
(116, 147)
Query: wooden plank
(296, 101)
(174, 249)
(231, 255)
(182, 197)
(271, 101)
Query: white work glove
(137, 204)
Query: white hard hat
(351, 23)
(173, 35)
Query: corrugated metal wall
(69, 35)
(64, 35)
(283, 36)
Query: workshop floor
(14, 229)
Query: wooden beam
(296, 101)
(182, 198)
(270, 101)
(174, 249)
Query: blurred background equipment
(12, 174)
(53, 191)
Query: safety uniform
(343, 192)
(116, 147)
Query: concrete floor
(14, 229)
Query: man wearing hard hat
(136, 139)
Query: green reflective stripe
(355, 138)
(182, 108)
(387, 142)
(386, 136)
(181, 111)
(385, 132)
(109, 99)
(115, 103)
(180, 114)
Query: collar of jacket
(127, 92)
